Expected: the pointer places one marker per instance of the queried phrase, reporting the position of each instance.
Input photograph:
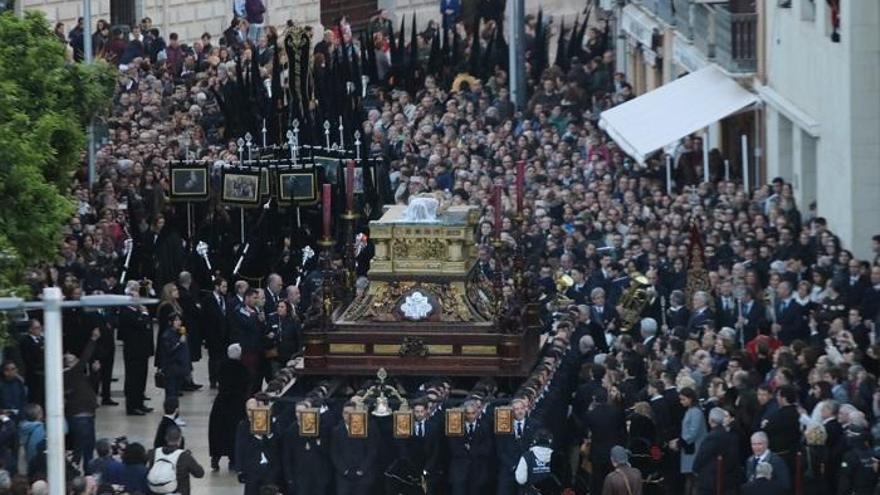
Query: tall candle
(327, 206)
(520, 185)
(497, 204)
(349, 186)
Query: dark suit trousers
(135, 382)
(107, 374)
(215, 357)
(506, 483)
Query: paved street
(195, 408)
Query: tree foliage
(45, 105)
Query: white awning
(660, 117)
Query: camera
(119, 445)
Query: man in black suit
(661, 410)
(579, 290)
(726, 306)
(790, 323)
(470, 454)
(763, 482)
(672, 459)
(510, 448)
(701, 314)
(719, 442)
(783, 426)
(762, 454)
(606, 427)
(601, 277)
(258, 459)
(677, 315)
(856, 284)
(835, 442)
(306, 460)
(870, 306)
(189, 303)
(136, 333)
(354, 459)
(600, 312)
(752, 316)
(425, 450)
(274, 293)
(32, 355)
(656, 296)
(215, 327)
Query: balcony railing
(729, 39)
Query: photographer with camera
(106, 467)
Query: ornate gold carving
(413, 347)
(425, 249)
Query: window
(785, 4)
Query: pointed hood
(435, 58)
(560, 45)
(413, 45)
(475, 61)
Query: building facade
(188, 18)
(660, 41)
(822, 111)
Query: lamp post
(51, 305)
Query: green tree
(45, 105)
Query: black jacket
(351, 455)
(607, 426)
(215, 322)
(783, 429)
(509, 448)
(136, 334)
(470, 455)
(719, 442)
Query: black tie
(470, 429)
(519, 429)
(222, 304)
(419, 431)
(755, 466)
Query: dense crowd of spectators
(776, 353)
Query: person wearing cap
(858, 470)
(623, 479)
(719, 442)
(535, 469)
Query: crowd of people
(772, 364)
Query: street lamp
(51, 304)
